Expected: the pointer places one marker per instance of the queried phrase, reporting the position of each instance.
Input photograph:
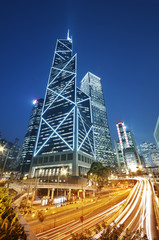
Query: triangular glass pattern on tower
(65, 106)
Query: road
(139, 212)
(93, 213)
(135, 212)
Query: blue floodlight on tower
(66, 124)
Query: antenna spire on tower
(68, 36)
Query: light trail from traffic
(137, 215)
(77, 226)
(135, 212)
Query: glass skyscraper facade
(9, 155)
(92, 86)
(126, 149)
(65, 135)
(156, 133)
(30, 136)
(145, 150)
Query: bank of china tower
(65, 136)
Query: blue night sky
(116, 40)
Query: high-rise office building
(119, 157)
(126, 149)
(145, 150)
(92, 86)
(30, 136)
(156, 133)
(154, 155)
(65, 136)
(9, 155)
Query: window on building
(57, 158)
(70, 156)
(51, 158)
(63, 157)
(35, 160)
(45, 159)
(40, 160)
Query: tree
(98, 173)
(10, 228)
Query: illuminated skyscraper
(65, 136)
(126, 149)
(30, 136)
(154, 155)
(92, 86)
(9, 155)
(156, 133)
(145, 150)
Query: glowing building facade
(145, 150)
(156, 133)
(65, 135)
(92, 86)
(126, 149)
(30, 136)
(154, 155)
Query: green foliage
(10, 228)
(98, 173)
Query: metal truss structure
(66, 120)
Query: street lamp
(1, 149)
(64, 171)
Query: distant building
(91, 85)
(119, 157)
(30, 136)
(145, 149)
(131, 158)
(9, 155)
(65, 136)
(126, 149)
(12, 162)
(156, 133)
(154, 155)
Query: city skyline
(123, 53)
